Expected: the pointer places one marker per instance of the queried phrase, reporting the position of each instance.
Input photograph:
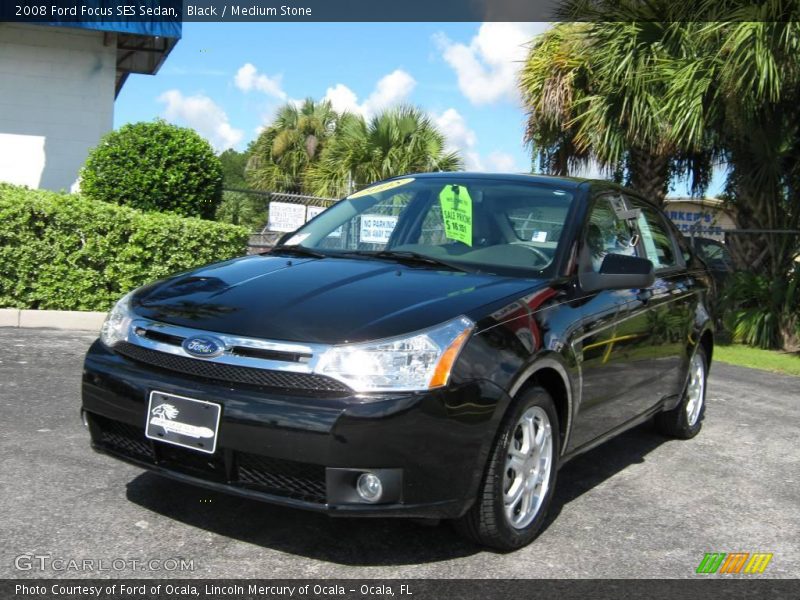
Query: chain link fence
(283, 212)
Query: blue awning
(151, 18)
(168, 29)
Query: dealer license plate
(183, 421)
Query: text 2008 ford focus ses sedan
(432, 346)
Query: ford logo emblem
(203, 346)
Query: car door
(612, 346)
(671, 307)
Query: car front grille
(231, 373)
(287, 478)
(305, 481)
(125, 439)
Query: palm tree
(553, 82)
(293, 141)
(397, 141)
(739, 81)
(712, 81)
(594, 92)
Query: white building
(57, 91)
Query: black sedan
(434, 346)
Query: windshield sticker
(376, 189)
(376, 229)
(457, 213)
(539, 236)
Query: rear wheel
(685, 420)
(520, 476)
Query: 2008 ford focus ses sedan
(434, 346)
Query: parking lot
(639, 506)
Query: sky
(226, 80)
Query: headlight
(115, 327)
(419, 361)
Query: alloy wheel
(527, 468)
(695, 390)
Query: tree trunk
(648, 174)
(763, 207)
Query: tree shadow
(365, 541)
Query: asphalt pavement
(640, 506)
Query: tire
(488, 522)
(685, 420)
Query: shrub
(155, 167)
(763, 312)
(61, 251)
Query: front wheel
(685, 420)
(520, 477)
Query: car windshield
(472, 224)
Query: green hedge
(65, 252)
(155, 166)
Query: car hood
(328, 300)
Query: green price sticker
(457, 213)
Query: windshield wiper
(297, 251)
(407, 256)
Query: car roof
(569, 182)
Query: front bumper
(304, 449)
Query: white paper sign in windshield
(284, 216)
(377, 229)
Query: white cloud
(501, 162)
(454, 127)
(248, 78)
(343, 99)
(459, 137)
(487, 67)
(390, 89)
(463, 139)
(202, 114)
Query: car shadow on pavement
(345, 541)
(589, 470)
(363, 542)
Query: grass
(766, 360)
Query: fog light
(369, 487)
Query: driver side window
(607, 233)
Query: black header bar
(275, 11)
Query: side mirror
(619, 272)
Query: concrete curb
(53, 319)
